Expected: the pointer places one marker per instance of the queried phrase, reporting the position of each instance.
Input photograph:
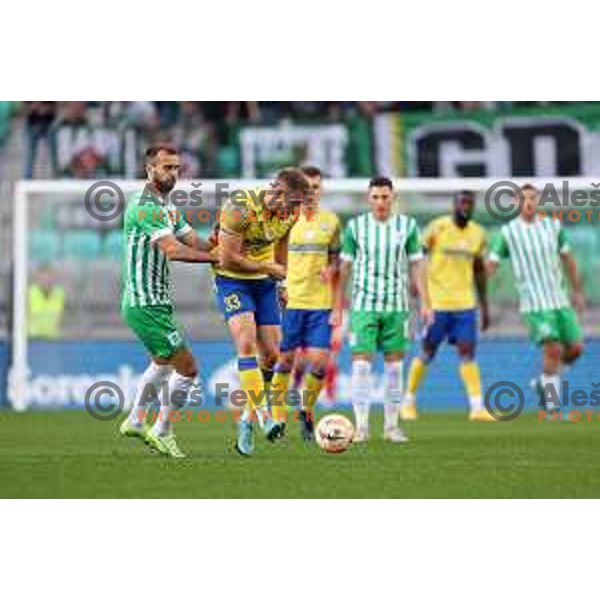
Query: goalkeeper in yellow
(455, 246)
(313, 302)
(253, 235)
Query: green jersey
(146, 273)
(380, 253)
(534, 249)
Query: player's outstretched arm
(345, 274)
(480, 276)
(193, 240)
(232, 257)
(334, 265)
(349, 248)
(331, 276)
(491, 266)
(281, 250)
(572, 271)
(344, 277)
(175, 250)
(418, 278)
(498, 251)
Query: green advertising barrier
(547, 141)
(340, 149)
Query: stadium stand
(84, 244)
(44, 245)
(112, 245)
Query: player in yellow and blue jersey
(456, 247)
(252, 239)
(313, 301)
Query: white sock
(392, 393)
(260, 415)
(361, 390)
(154, 375)
(475, 403)
(177, 383)
(551, 387)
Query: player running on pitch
(381, 249)
(456, 247)
(253, 240)
(156, 234)
(539, 252)
(312, 291)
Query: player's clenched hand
(275, 270)
(484, 316)
(335, 317)
(326, 274)
(426, 316)
(579, 301)
(283, 296)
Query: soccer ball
(334, 433)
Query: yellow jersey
(260, 228)
(313, 238)
(451, 253)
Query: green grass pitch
(70, 455)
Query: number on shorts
(232, 302)
(174, 338)
(544, 329)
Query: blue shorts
(258, 296)
(454, 325)
(305, 328)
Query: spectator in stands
(6, 113)
(196, 139)
(46, 305)
(143, 115)
(168, 113)
(88, 164)
(216, 113)
(39, 118)
(473, 105)
(367, 108)
(78, 150)
(245, 110)
(69, 134)
(308, 110)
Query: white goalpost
(347, 195)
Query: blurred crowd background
(95, 139)
(74, 260)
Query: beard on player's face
(462, 217)
(164, 184)
(463, 211)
